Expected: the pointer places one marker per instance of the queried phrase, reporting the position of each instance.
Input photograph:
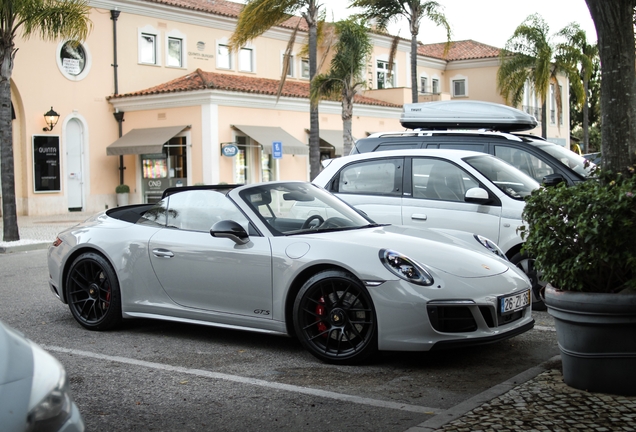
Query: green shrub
(583, 237)
(122, 188)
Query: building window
(304, 68)
(386, 78)
(459, 88)
(223, 57)
(73, 60)
(289, 59)
(246, 59)
(561, 105)
(148, 48)
(435, 85)
(423, 85)
(175, 52)
(552, 105)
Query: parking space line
(251, 381)
(544, 328)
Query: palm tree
(530, 56)
(384, 11)
(345, 75)
(256, 18)
(578, 51)
(50, 19)
(614, 23)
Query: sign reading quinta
(46, 163)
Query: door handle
(162, 253)
(419, 216)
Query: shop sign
(277, 150)
(229, 150)
(46, 163)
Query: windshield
(507, 178)
(568, 158)
(300, 208)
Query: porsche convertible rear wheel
(334, 318)
(92, 292)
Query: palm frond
(258, 16)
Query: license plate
(514, 302)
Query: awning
(266, 135)
(143, 141)
(334, 138)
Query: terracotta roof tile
(225, 8)
(201, 80)
(459, 50)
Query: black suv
(485, 127)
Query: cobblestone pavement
(545, 403)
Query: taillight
(57, 242)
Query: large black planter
(597, 339)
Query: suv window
(525, 162)
(440, 180)
(381, 177)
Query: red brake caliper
(320, 311)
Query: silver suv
(450, 189)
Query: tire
(526, 264)
(334, 318)
(92, 292)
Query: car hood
(448, 251)
(16, 358)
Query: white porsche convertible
(289, 258)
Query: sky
(488, 21)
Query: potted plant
(583, 238)
(122, 192)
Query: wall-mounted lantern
(51, 118)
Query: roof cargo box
(466, 115)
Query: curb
(5, 249)
(476, 401)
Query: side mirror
(553, 179)
(231, 230)
(476, 195)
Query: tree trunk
(9, 214)
(347, 115)
(414, 83)
(544, 118)
(586, 117)
(314, 125)
(615, 29)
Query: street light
(51, 118)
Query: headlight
(490, 245)
(405, 268)
(50, 404)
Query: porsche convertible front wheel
(92, 292)
(334, 318)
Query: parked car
(485, 127)
(454, 189)
(288, 258)
(595, 158)
(34, 394)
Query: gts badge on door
(261, 312)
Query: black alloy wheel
(334, 318)
(526, 264)
(92, 292)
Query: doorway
(74, 165)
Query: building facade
(154, 98)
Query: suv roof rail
(466, 115)
(425, 132)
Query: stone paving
(546, 403)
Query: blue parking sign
(277, 150)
